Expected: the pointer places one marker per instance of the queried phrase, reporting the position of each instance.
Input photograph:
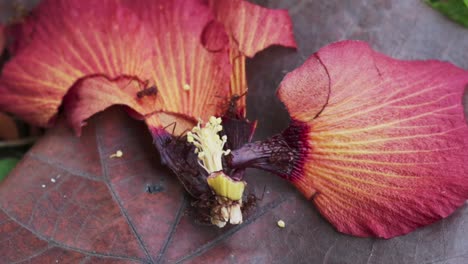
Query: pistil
(210, 150)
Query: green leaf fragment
(6, 165)
(457, 10)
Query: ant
(147, 91)
(232, 104)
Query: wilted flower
(379, 145)
(169, 63)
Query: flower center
(209, 145)
(210, 149)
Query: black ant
(148, 91)
(174, 125)
(152, 90)
(232, 104)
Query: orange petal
(64, 41)
(251, 28)
(155, 42)
(238, 85)
(191, 80)
(389, 151)
(95, 94)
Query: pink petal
(389, 151)
(252, 27)
(95, 94)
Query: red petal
(214, 37)
(95, 94)
(254, 28)
(191, 80)
(70, 40)
(389, 152)
(296, 87)
(156, 41)
(251, 28)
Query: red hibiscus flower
(117, 48)
(169, 63)
(378, 145)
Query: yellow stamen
(209, 145)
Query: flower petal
(156, 42)
(296, 87)
(214, 38)
(64, 41)
(389, 152)
(191, 80)
(95, 94)
(251, 28)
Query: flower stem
(281, 154)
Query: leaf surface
(456, 10)
(6, 165)
(70, 200)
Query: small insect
(231, 110)
(152, 90)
